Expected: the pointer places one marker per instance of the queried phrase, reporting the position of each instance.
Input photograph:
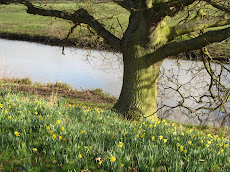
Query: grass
(40, 135)
(14, 19)
(62, 91)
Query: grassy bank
(15, 23)
(40, 134)
(60, 92)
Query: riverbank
(60, 91)
(55, 41)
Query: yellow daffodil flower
(35, 149)
(80, 156)
(16, 133)
(112, 159)
(120, 144)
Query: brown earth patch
(47, 91)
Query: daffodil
(16, 133)
(58, 121)
(9, 117)
(165, 140)
(181, 148)
(80, 156)
(112, 159)
(62, 128)
(209, 135)
(160, 137)
(189, 142)
(222, 150)
(35, 149)
(60, 137)
(100, 162)
(54, 136)
(120, 144)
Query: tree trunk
(138, 96)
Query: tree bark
(138, 96)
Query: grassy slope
(60, 91)
(57, 137)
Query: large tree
(149, 39)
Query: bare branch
(79, 16)
(67, 37)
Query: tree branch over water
(79, 16)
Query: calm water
(44, 64)
(84, 69)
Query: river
(42, 63)
(90, 69)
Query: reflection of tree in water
(187, 92)
(195, 91)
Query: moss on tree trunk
(138, 96)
